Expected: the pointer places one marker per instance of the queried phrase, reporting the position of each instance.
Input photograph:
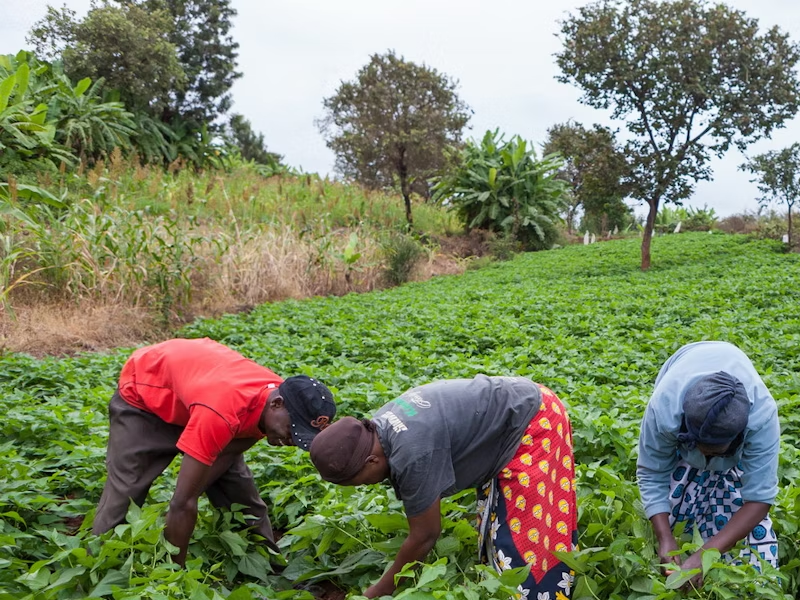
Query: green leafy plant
(402, 253)
(501, 186)
(598, 343)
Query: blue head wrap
(716, 409)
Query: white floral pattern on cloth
(502, 561)
(566, 582)
(495, 526)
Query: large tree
(596, 170)
(207, 53)
(777, 174)
(175, 58)
(390, 127)
(689, 79)
(126, 45)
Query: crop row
(582, 320)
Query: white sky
(294, 53)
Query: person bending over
(203, 400)
(507, 436)
(708, 454)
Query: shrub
(501, 186)
(402, 254)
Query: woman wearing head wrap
(507, 436)
(708, 454)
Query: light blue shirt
(660, 450)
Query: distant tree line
(687, 79)
(146, 76)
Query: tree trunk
(790, 227)
(407, 200)
(648, 233)
(571, 217)
(405, 188)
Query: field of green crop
(582, 320)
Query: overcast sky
(294, 53)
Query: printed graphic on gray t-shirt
(451, 435)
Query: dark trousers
(140, 447)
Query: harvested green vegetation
(582, 320)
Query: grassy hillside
(582, 320)
(122, 252)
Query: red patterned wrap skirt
(529, 510)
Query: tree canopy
(777, 174)
(175, 59)
(207, 54)
(596, 170)
(126, 45)
(389, 127)
(688, 78)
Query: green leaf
(709, 557)
(492, 176)
(414, 594)
(64, 577)
(585, 587)
(5, 91)
(241, 593)
(35, 580)
(388, 522)
(447, 545)
(23, 72)
(515, 577)
(307, 528)
(234, 542)
(431, 573)
(677, 579)
(12, 514)
(255, 565)
(39, 114)
(327, 539)
(82, 86)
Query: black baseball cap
(310, 405)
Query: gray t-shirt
(451, 435)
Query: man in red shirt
(202, 399)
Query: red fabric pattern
(538, 487)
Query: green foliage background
(582, 320)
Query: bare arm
(423, 531)
(193, 478)
(664, 538)
(237, 446)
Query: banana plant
(25, 130)
(502, 186)
(87, 124)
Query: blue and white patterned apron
(709, 499)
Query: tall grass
(178, 243)
(303, 201)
